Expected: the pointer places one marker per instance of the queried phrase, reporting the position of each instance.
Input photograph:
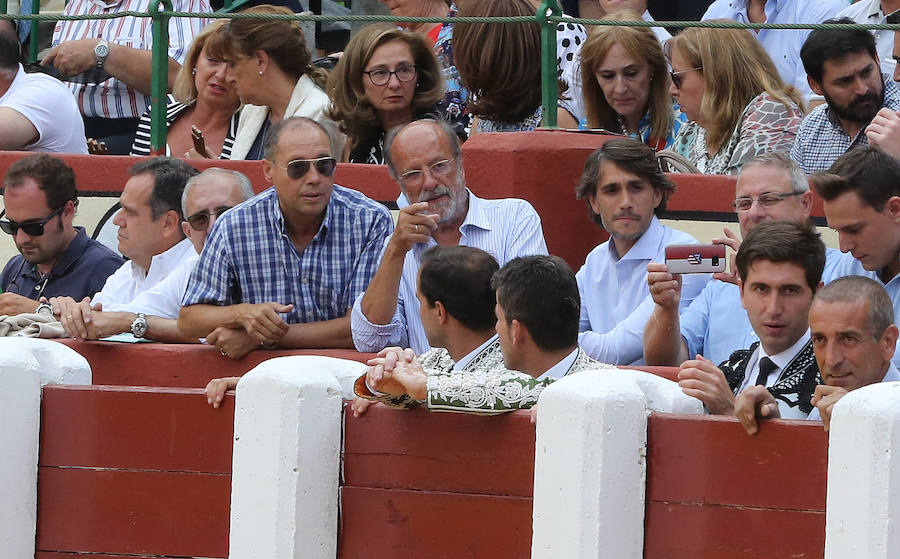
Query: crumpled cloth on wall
(31, 325)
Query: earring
(260, 72)
(194, 72)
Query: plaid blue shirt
(822, 139)
(249, 258)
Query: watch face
(102, 49)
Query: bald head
(411, 132)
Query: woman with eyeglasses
(734, 97)
(269, 63)
(625, 86)
(387, 77)
(203, 102)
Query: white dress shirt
(559, 370)
(164, 298)
(781, 361)
(869, 11)
(615, 298)
(504, 228)
(783, 45)
(130, 280)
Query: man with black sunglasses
(56, 258)
(284, 268)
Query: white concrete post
(25, 365)
(590, 462)
(862, 517)
(287, 438)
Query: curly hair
(349, 105)
(499, 63)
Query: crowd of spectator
(457, 295)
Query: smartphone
(695, 259)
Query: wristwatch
(139, 326)
(44, 308)
(101, 51)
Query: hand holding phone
(695, 259)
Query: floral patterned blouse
(765, 125)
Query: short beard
(852, 112)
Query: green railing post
(34, 42)
(160, 81)
(549, 89)
(3, 7)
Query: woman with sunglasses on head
(203, 102)
(387, 77)
(272, 69)
(626, 86)
(734, 97)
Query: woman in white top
(269, 62)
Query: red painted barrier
(179, 365)
(130, 471)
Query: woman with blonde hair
(202, 101)
(501, 65)
(269, 62)
(738, 105)
(386, 77)
(625, 85)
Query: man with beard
(424, 158)
(842, 66)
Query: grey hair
(395, 131)
(270, 142)
(862, 289)
(781, 160)
(239, 178)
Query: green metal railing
(547, 16)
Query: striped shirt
(822, 139)
(112, 98)
(249, 258)
(174, 109)
(505, 228)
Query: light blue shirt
(783, 45)
(869, 11)
(716, 324)
(615, 297)
(505, 228)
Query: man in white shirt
(424, 157)
(780, 265)
(625, 193)
(206, 196)
(37, 112)
(783, 45)
(851, 322)
(151, 236)
(771, 187)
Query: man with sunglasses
(150, 236)
(285, 267)
(771, 187)
(424, 157)
(206, 196)
(56, 258)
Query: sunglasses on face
(299, 167)
(32, 227)
(677, 78)
(200, 220)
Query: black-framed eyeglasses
(676, 76)
(765, 200)
(381, 76)
(200, 220)
(437, 169)
(299, 167)
(31, 227)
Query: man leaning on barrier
(284, 268)
(851, 322)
